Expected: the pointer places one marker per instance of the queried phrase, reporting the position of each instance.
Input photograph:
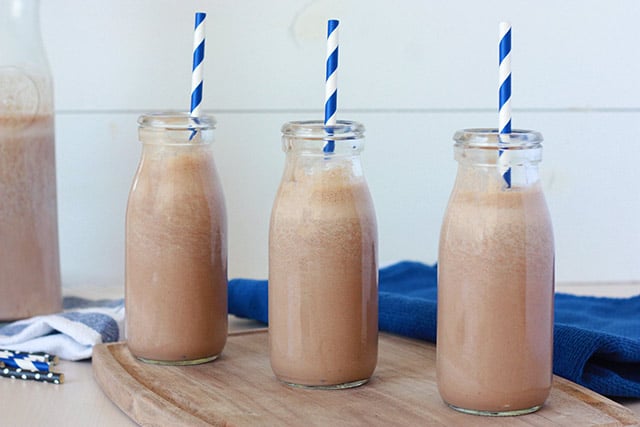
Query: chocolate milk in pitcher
(29, 255)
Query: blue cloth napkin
(596, 340)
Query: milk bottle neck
(314, 138)
(314, 149)
(177, 130)
(481, 164)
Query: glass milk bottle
(496, 279)
(29, 255)
(323, 275)
(176, 244)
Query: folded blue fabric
(596, 340)
(597, 343)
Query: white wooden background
(413, 71)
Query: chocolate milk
(495, 294)
(29, 255)
(176, 256)
(323, 299)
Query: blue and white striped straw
(504, 120)
(33, 356)
(198, 58)
(331, 86)
(25, 363)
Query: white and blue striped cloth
(70, 334)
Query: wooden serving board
(239, 389)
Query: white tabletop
(81, 402)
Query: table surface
(81, 402)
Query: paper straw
(331, 82)
(36, 356)
(25, 363)
(21, 374)
(504, 104)
(198, 58)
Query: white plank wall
(413, 71)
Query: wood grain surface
(239, 389)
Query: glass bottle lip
(176, 121)
(317, 130)
(490, 138)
